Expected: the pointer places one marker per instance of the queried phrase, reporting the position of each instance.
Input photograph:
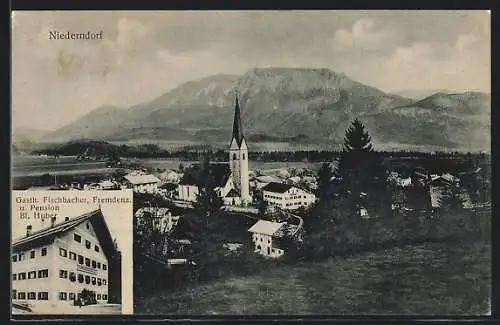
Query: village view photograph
(281, 162)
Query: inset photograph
(69, 251)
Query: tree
(451, 199)
(205, 228)
(325, 174)
(361, 170)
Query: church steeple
(237, 127)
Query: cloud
(364, 35)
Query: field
(450, 278)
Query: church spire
(237, 127)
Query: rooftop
(142, 179)
(277, 187)
(266, 227)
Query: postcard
(299, 163)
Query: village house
(265, 236)
(159, 219)
(287, 196)
(51, 267)
(146, 183)
(439, 185)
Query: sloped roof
(233, 193)
(142, 179)
(46, 235)
(266, 227)
(219, 171)
(277, 187)
(237, 126)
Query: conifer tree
(360, 169)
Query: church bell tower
(238, 157)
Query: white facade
(188, 192)
(238, 162)
(56, 273)
(143, 183)
(290, 199)
(264, 238)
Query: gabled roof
(142, 179)
(46, 235)
(219, 171)
(277, 187)
(233, 193)
(266, 227)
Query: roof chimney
(52, 221)
(28, 230)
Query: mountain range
(299, 105)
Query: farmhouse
(51, 267)
(265, 236)
(146, 183)
(287, 196)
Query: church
(231, 180)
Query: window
(21, 295)
(63, 274)
(14, 277)
(14, 258)
(274, 250)
(63, 252)
(243, 156)
(44, 251)
(21, 257)
(14, 294)
(93, 280)
(94, 264)
(104, 266)
(71, 296)
(87, 279)
(43, 296)
(32, 275)
(22, 276)
(43, 273)
(87, 261)
(87, 244)
(80, 278)
(96, 248)
(77, 238)
(234, 156)
(32, 254)
(72, 276)
(98, 296)
(99, 281)
(88, 225)
(72, 256)
(104, 281)
(80, 259)
(63, 296)
(104, 297)
(98, 265)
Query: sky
(145, 54)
